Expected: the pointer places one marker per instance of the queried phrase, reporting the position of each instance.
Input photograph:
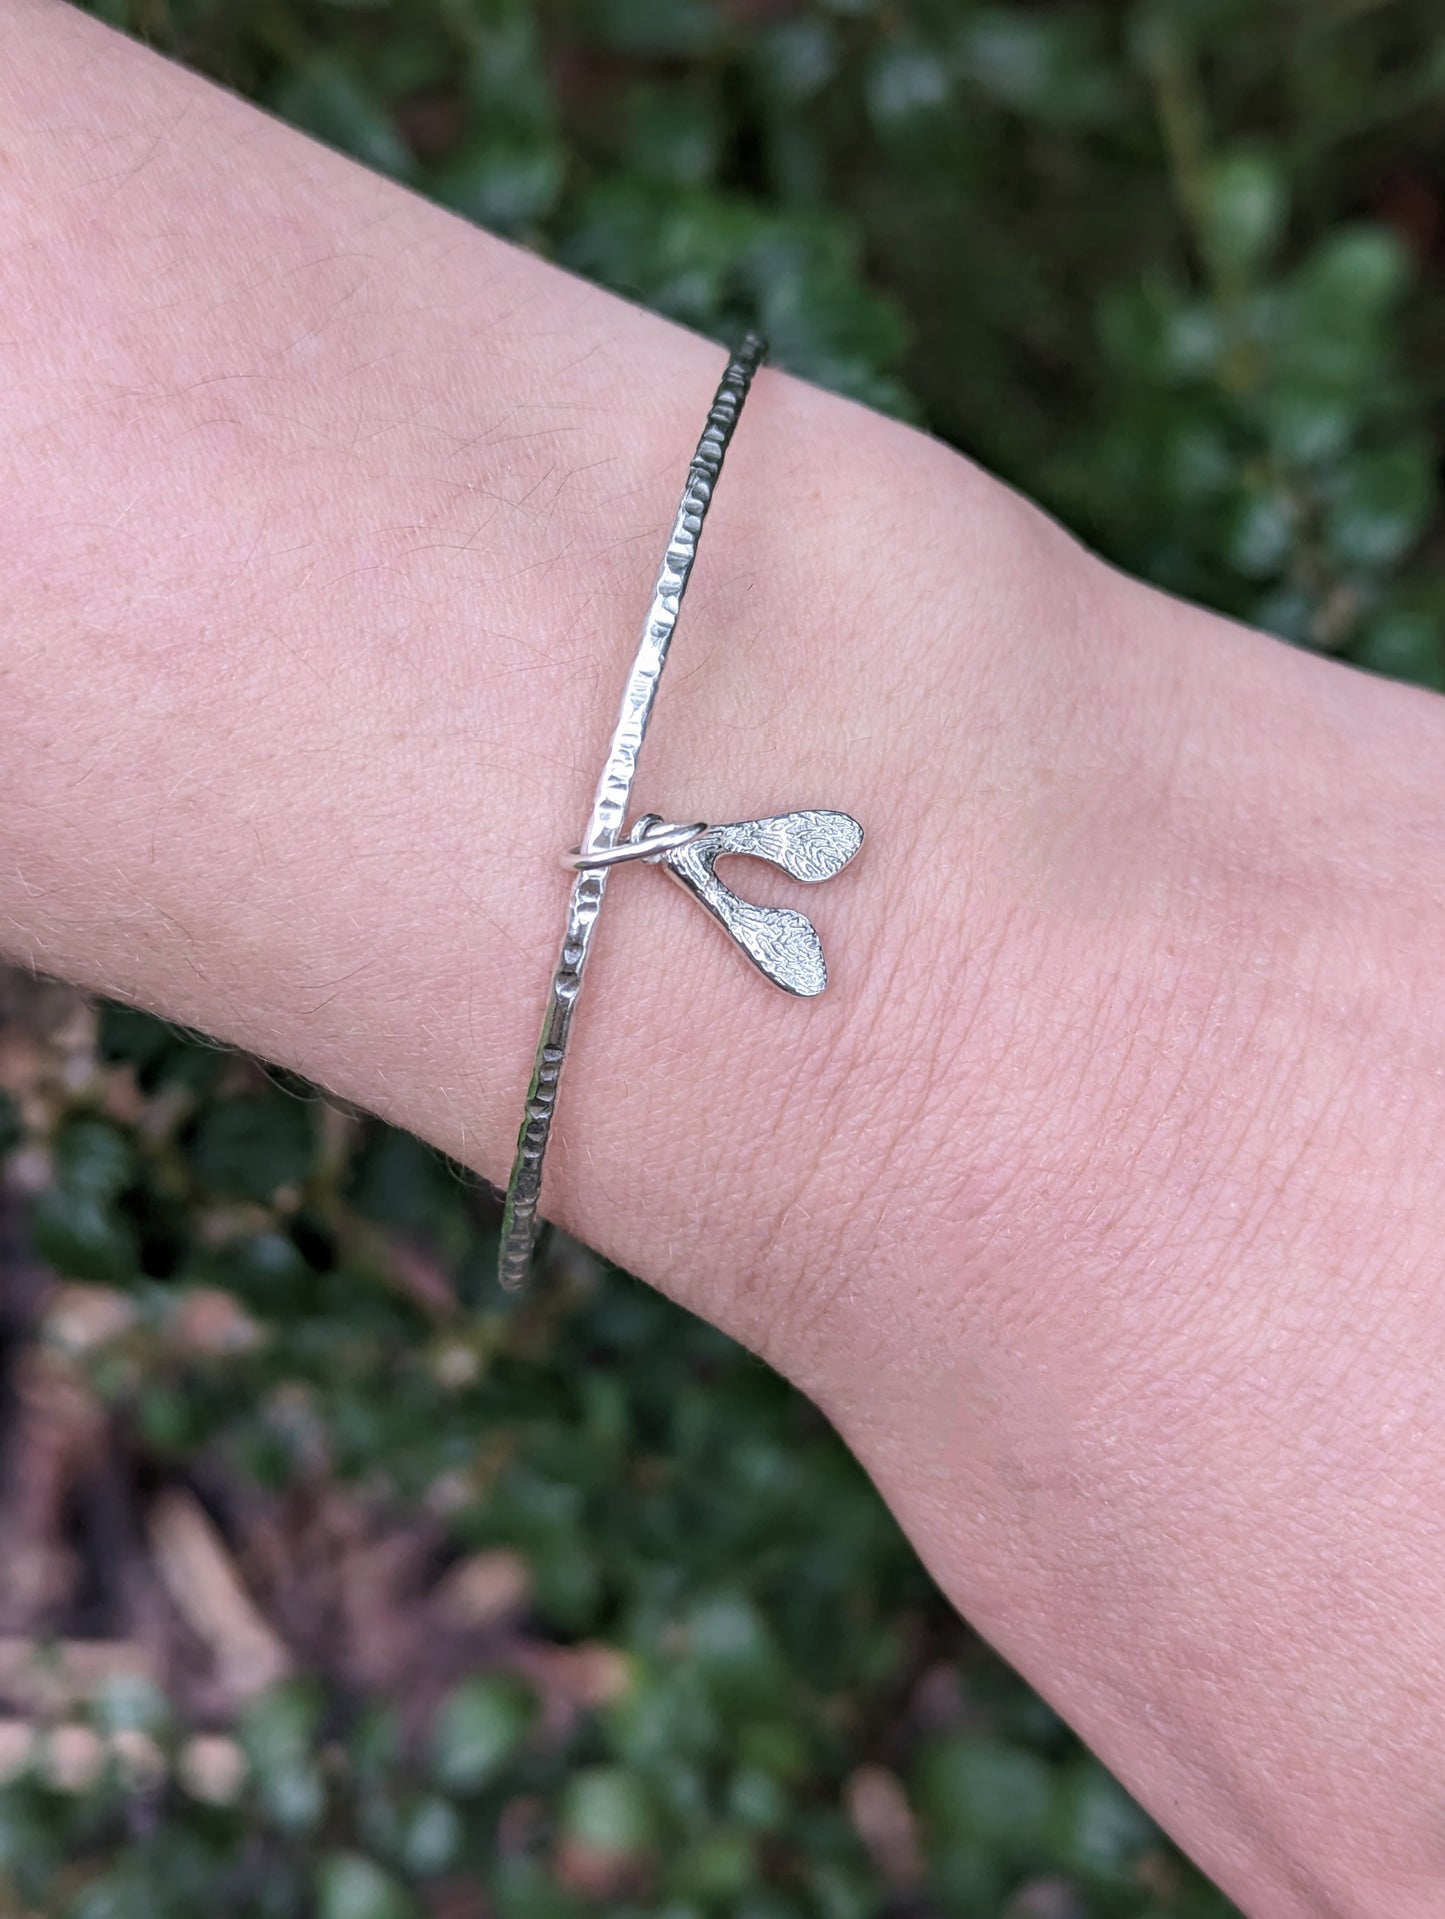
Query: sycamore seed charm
(782, 943)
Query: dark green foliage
(477, 1731)
(1174, 268)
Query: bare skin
(1098, 1201)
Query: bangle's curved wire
(609, 807)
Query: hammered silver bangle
(810, 845)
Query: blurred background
(332, 1583)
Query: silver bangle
(810, 845)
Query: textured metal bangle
(811, 845)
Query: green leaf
(796, 59)
(736, 1653)
(1043, 64)
(609, 1811)
(1335, 313)
(663, 1717)
(677, 28)
(325, 97)
(1310, 423)
(1379, 505)
(776, 1747)
(504, 185)
(266, 1270)
(249, 1148)
(978, 1789)
(717, 1870)
(94, 1160)
(841, 1891)
(1261, 532)
(129, 1702)
(83, 1238)
(1404, 643)
(400, 1181)
(76, 1225)
(351, 1886)
(507, 84)
(674, 135)
(432, 1836)
(478, 1729)
(120, 1894)
(522, 1887)
(158, 1051)
(567, 1581)
(907, 82)
(278, 1733)
(1356, 273)
(1245, 202)
(757, 1799)
(1097, 1829)
(294, 1797)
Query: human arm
(1095, 1201)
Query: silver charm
(781, 942)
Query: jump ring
(649, 838)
